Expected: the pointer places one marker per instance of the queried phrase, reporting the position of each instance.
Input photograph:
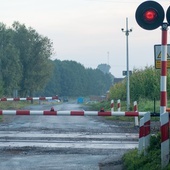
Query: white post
(112, 105)
(147, 131)
(136, 118)
(141, 136)
(164, 117)
(118, 105)
(164, 139)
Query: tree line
(144, 83)
(25, 66)
(70, 78)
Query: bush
(152, 160)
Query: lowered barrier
(144, 131)
(70, 113)
(28, 98)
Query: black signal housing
(168, 15)
(150, 15)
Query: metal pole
(127, 64)
(127, 53)
(164, 116)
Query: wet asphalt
(62, 142)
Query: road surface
(63, 142)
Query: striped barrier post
(70, 113)
(118, 105)
(163, 98)
(29, 98)
(164, 139)
(144, 133)
(112, 105)
(147, 135)
(141, 136)
(135, 110)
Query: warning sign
(157, 54)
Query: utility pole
(127, 31)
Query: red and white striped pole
(163, 101)
(112, 105)
(144, 133)
(141, 136)
(28, 98)
(164, 139)
(135, 110)
(147, 135)
(52, 112)
(118, 105)
(163, 85)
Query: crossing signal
(168, 15)
(150, 15)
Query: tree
(72, 79)
(144, 83)
(34, 52)
(10, 65)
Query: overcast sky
(88, 31)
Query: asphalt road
(62, 142)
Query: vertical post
(144, 134)
(163, 87)
(127, 63)
(164, 139)
(141, 136)
(163, 100)
(147, 131)
(118, 105)
(112, 105)
(135, 110)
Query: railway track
(69, 140)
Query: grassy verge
(151, 160)
(132, 160)
(13, 105)
(143, 106)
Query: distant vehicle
(65, 99)
(80, 100)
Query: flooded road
(62, 143)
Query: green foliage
(99, 105)
(34, 52)
(24, 60)
(25, 66)
(144, 83)
(70, 78)
(132, 160)
(118, 91)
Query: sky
(88, 31)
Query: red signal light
(150, 15)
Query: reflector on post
(149, 15)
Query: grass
(13, 105)
(132, 160)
